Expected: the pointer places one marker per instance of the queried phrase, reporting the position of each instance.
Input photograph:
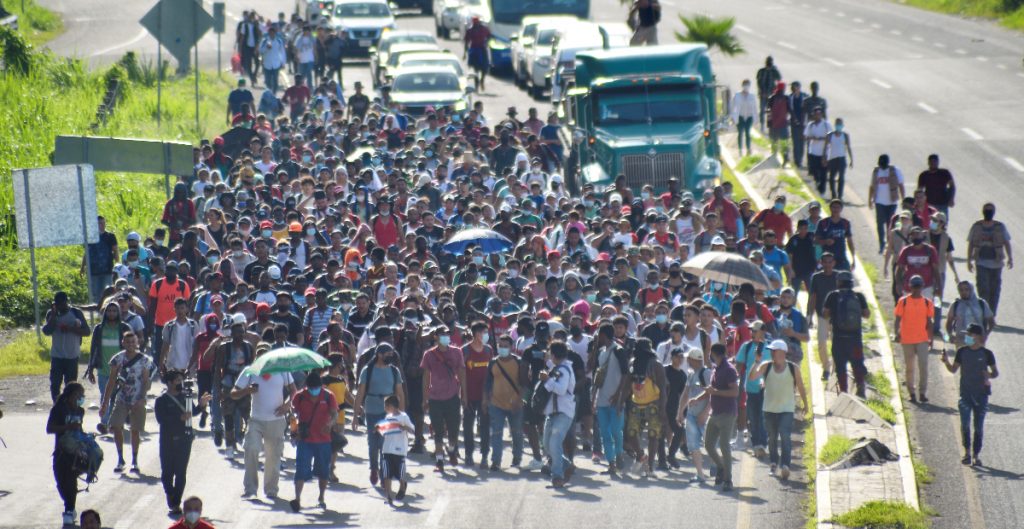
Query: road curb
(823, 499)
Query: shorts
(136, 416)
(694, 433)
(643, 417)
(444, 415)
(392, 466)
(780, 133)
(312, 460)
(478, 59)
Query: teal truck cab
(647, 113)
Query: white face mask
(191, 516)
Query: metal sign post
(159, 61)
(85, 237)
(218, 28)
(32, 253)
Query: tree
(715, 32)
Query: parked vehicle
(572, 40)
(379, 53)
(507, 17)
(398, 50)
(363, 22)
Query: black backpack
(848, 312)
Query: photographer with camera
(317, 413)
(174, 412)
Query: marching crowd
(572, 325)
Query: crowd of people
(581, 331)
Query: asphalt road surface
(907, 82)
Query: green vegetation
(1009, 13)
(35, 22)
(807, 454)
(714, 32)
(835, 448)
(883, 409)
(881, 384)
(25, 356)
(761, 141)
(883, 515)
(922, 472)
(46, 96)
(871, 271)
(748, 162)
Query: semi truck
(647, 113)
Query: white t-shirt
(396, 440)
(883, 196)
(664, 351)
(582, 347)
(819, 129)
(180, 352)
(270, 396)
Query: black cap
(974, 328)
(313, 380)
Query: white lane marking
(938, 45)
(785, 44)
(895, 32)
(927, 108)
(859, 20)
(840, 14)
(834, 62)
(883, 84)
(1015, 164)
(972, 134)
(1020, 74)
(742, 28)
(437, 511)
(961, 51)
(876, 25)
(1001, 66)
(982, 59)
(917, 38)
(669, 3)
(142, 34)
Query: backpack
(792, 371)
(86, 454)
(541, 395)
(848, 312)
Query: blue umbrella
(489, 241)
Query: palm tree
(715, 32)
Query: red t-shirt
(727, 212)
(476, 370)
(317, 415)
(201, 524)
(385, 233)
(298, 96)
(477, 36)
(918, 261)
(780, 223)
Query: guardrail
(9, 22)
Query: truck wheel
(447, 33)
(536, 92)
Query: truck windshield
(657, 104)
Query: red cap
(311, 291)
(266, 225)
(295, 226)
(626, 210)
(262, 308)
(554, 253)
(603, 256)
(218, 140)
(216, 298)
(543, 314)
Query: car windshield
(366, 10)
(656, 104)
(435, 62)
(546, 37)
(397, 56)
(386, 45)
(426, 82)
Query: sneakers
(966, 460)
(913, 397)
(558, 483)
(923, 398)
(727, 486)
(294, 504)
(119, 468)
(824, 375)
(773, 469)
(135, 468)
(68, 518)
(697, 478)
(417, 448)
(596, 457)
(784, 472)
(760, 452)
(494, 467)
(674, 463)
(977, 461)
(102, 428)
(373, 477)
(534, 465)
(439, 465)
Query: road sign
(178, 25)
(127, 155)
(218, 17)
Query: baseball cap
(134, 236)
(778, 345)
(274, 272)
(171, 264)
(717, 240)
(695, 354)
(916, 281)
(216, 298)
(266, 225)
(757, 325)
(311, 291)
(295, 227)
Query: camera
(188, 387)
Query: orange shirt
(165, 296)
(914, 314)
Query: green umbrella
(287, 360)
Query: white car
(447, 17)
(311, 10)
(401, 50)
(523, 40)
(363, 22)
(379, 54)
(538, 57)
(475, 8)
(417, 87)
(572, 40)
(435, 59)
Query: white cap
(122, 271)
(718, 240)
(274, 272)
(556, 178)
(695, 354)
(778, 345)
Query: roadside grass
(761, 141)
(1009, 13)
(38, 24)
(871, 271)
(834, 449)
(884, 515)
(25, 356)
(922, 472)
(883, 409)
(748, 162)
(881, 384)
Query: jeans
(989, 282)
(762, 99)
(306, 70)
(515, 427)
(743, 132)
(796, 133)
(780, 430)
(694, 433)
(249, 62)
(268, 436)
(755, 419)
(158, 343)
(883, 213)
(174, 456)
(837, 167)
(375, 441)
(472, 415)
(216, 422)
(977, 405)
(62, 371)
(556, 427)
(718, 435)
(270, 77)
(98, 283)
(610, 422)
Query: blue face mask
(478, 259)
(80, 402)
(445, 340)
(315, 391)
(778, 206)
(504, 352)
(839, 128)
(661, 318)
(266, 233)
(968, 340)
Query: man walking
(797, 122)
(977, 366)
(885, 193)
(722, 393)
(767, 77)
(845, 309)
(834, 233)
(475, 47)
(272, 50)
(938, 185)
(965, 311)
(913, 326)
(560, 410)
(988, 246)
(648, 412)
(317, 412)
(102, 255)
(815, 134)
(503, 389)
(643, 18)
(266, 425)
(779, 378)
(609, 363)
(444, 392)
(823, 283)
(175, 418)
(66, 326)
(378, 380)
(744, 112)
(247, 40)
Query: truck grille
(643, 169)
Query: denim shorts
(312, 460)
(694, 433)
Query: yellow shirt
(339, 388)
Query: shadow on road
(984, 471)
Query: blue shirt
(794, 320)
(839, 231)
(775, 258)
(748, 356)
(550, 132)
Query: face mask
(513, 273)
(315, 391)
(968, 340)
(213, 327)
(934, 225)
(746, 88)
(778, 207)
(311, 231)
(266, 233)
(478, 259)
(80, 402)
(179, 387)
(717, 287)
(591, 298)
(503, 352)
(918, 241)
(158, 242)
(645, 195)
(133, 264)
(306, 159)
(839, 128)
(485, 337)
(192, 517)
(213, 259)
(445, 340)
(661, 318)
(242, 204)
(244, 231)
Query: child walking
(395, 429)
